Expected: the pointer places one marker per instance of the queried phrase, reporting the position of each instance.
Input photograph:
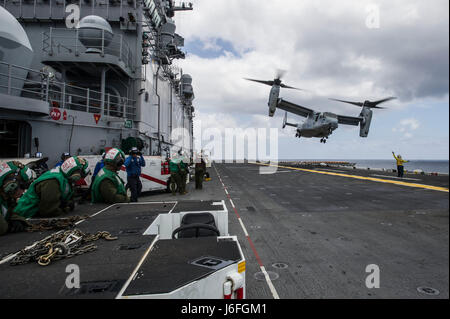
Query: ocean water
(428, 166)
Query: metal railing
(61, 41)
(56, 9)
(39, 85)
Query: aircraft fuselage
(317, 125)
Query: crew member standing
(183, 171)
(200, 168)
(175, 177)
(400, 162)
(133, 163)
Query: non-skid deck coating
(315, 233)
(170, 266)
(102, 272)
(107, 270)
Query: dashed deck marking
(252, 246)
(435, 188)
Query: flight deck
(314, 234)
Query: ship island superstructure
(108, 79)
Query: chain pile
(63, 244)
(55, 224)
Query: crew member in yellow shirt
(400, 162)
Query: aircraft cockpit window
(332, 115)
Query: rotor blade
(270, 83)
(384, 100)
(354, 103)
(290, 87)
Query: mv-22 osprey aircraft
(317, 124)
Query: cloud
(406, 126)
(326, 47)
(410, 123)
(328, 40)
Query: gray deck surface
(314, 234)
(327, 229)
(169, 264)
(102, 272)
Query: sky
(355, 50)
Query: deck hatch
(215, 263)
(131, 231)
(131, 246)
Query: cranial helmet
(65, 156)
(13, 175)
(74, 168)
(5, 170)
(115, 157)
(8, 177)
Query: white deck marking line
(407, 178)
(269, 282)
(133, 274)
(104, 209)
(226, 191)
(243, 227)
(263, 269)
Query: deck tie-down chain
(63, 244)
(54, 223)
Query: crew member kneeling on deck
(108, 187)
(51, 194)
(133, 163)
(14, 180)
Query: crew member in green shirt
(51, 194)
(108, 187)
(14, 180)
(175, 177)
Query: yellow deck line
(435, 188)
